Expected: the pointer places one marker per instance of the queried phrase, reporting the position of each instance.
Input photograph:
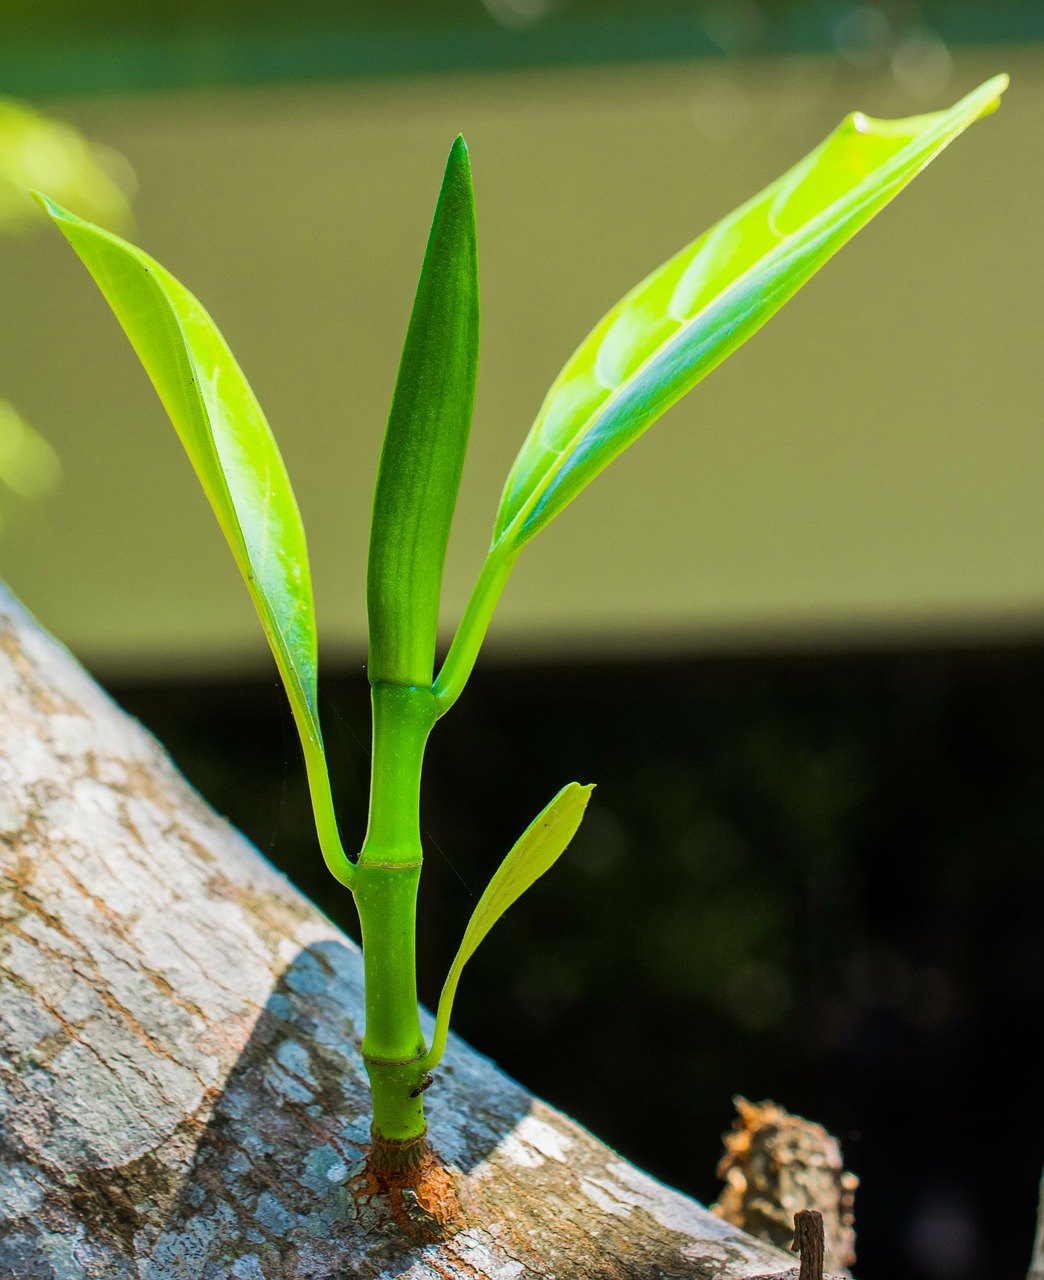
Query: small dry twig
(776, 1165)
(809, 1242)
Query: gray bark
(1036, 1271)
(181, 1090)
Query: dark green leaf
(425, 442)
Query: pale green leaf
(237, 461)
(536, 851)
(684, 319)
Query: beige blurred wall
(868, 468)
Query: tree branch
(1036, 1271)
(181, 1088)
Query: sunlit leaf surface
(226, 437)
(684, 319)
(537, 850)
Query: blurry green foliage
(38, 152)
(29, 467)
(66, 46)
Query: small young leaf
(684, 319)
(425, 442)
(541, 844)
(238, 463)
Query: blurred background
(796, 634)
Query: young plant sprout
(665, 335)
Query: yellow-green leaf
(671, 330)
(538, 848)
(237, 461)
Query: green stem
(385, 886)
(473, 626)
(323, 810)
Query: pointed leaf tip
(997, 84)
(53, 209)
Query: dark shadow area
(271, 1181)
(816, 879)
